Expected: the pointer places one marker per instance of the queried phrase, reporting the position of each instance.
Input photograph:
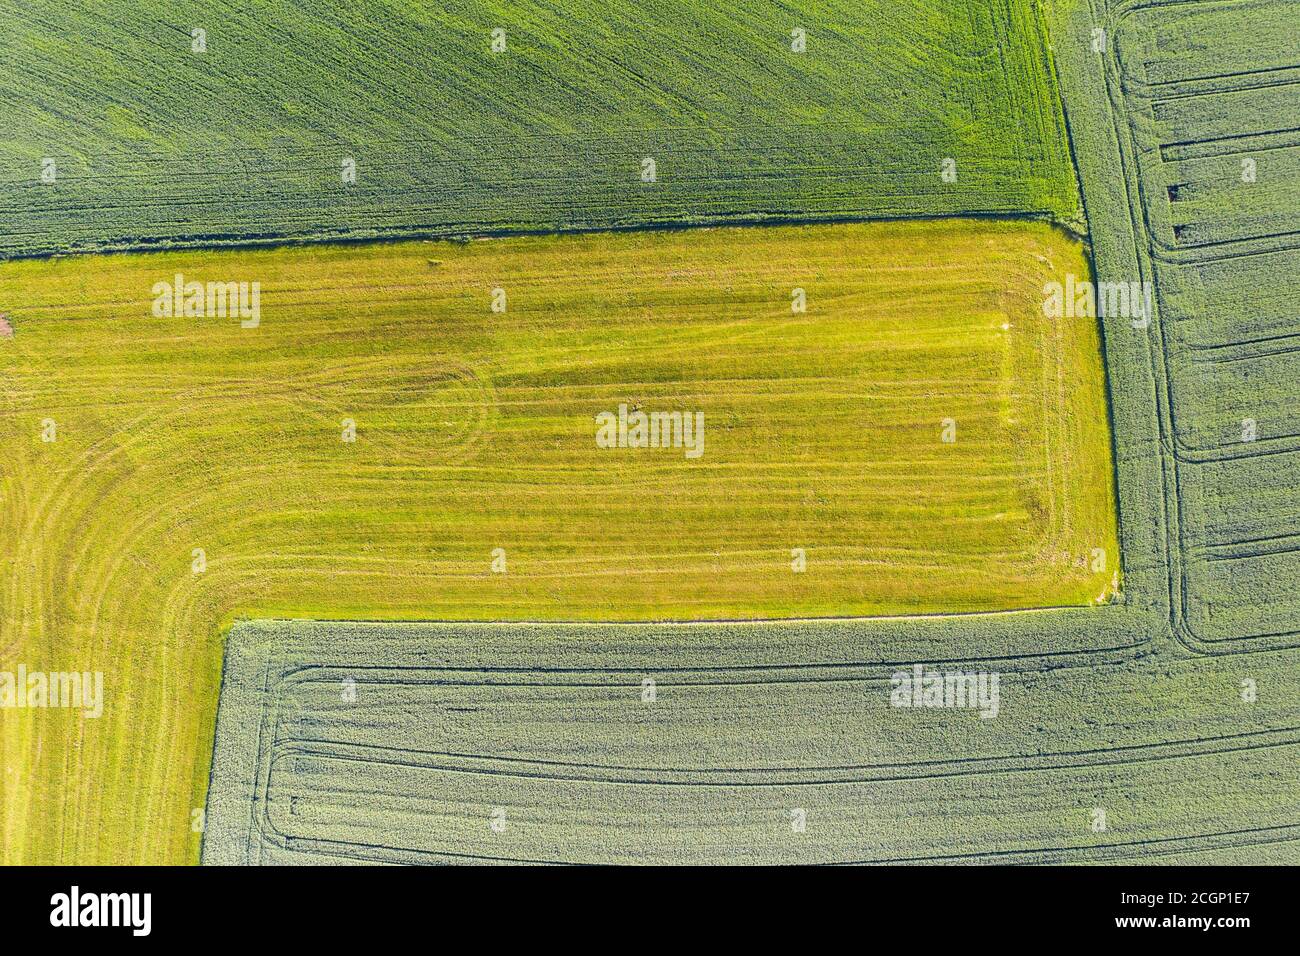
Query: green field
(551, 730)
(1197, 104)
(475, 430)
(154, 144)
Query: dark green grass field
(155, 144)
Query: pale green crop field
(1196, 102)
(475, 431)
(455, 743)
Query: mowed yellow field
(161, 476)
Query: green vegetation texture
(154, 144)
(354, 742)
(1172, 705)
